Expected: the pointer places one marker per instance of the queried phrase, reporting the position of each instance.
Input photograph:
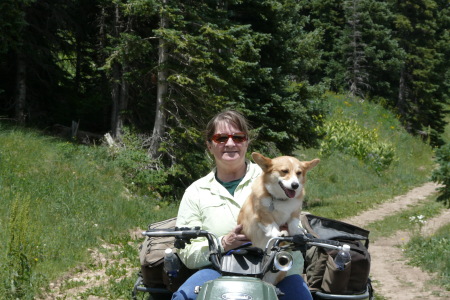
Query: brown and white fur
(275, 200)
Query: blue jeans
(293, 286)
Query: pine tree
(327, 19)
(287, 103)
(382, 51)
(420, 101)
(354, 51)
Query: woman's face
(230, 153)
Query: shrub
(442, 173)
(348, 137)
(155, 178)
(141, 173)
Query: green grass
(59, 199)
(432, 254)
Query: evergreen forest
(159, 69)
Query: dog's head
(284, 176)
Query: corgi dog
(275, 200)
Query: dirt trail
(85, 278)
(397, 204)
(392, 277)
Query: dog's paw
(271, 230)
(283, 233)
(274, 234)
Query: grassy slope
(342, 186)
(77, 200)
(58, 200)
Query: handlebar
(183, 235)
(183, 232)
(300, 240)
(187, 233)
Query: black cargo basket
(330, 229)
(324, 281)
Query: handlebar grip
(304, 239)
(184, 233)
(327, 242)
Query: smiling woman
(228, 145)
(213, 202)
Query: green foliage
(287, 104)
(21, 256)
(424, 87)
(140, 172)
(245, 55)
(399, 52)
(432, 253)
(152, 178)
(348, 137)
(442, 173)
(353, 134)
(12, 13)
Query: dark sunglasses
(222, 138)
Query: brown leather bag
(151, 256)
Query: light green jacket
(206, 203)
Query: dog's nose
(295, 185)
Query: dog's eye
(284, 171)
(299, 173)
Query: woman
(213, 203)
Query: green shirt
(230, 185)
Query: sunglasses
(222, 138)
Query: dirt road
(392, 277)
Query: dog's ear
(264, 162)
(311, 164)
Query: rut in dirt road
(399, 203)
(392, 277)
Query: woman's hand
(234, 239)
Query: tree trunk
(162, 87)
(21, 88)
(123, 99)
(123, 102)
(100, 59)
(79, 57)
(356, 75)
(116, 79)
(115, 97)
(402, 102)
